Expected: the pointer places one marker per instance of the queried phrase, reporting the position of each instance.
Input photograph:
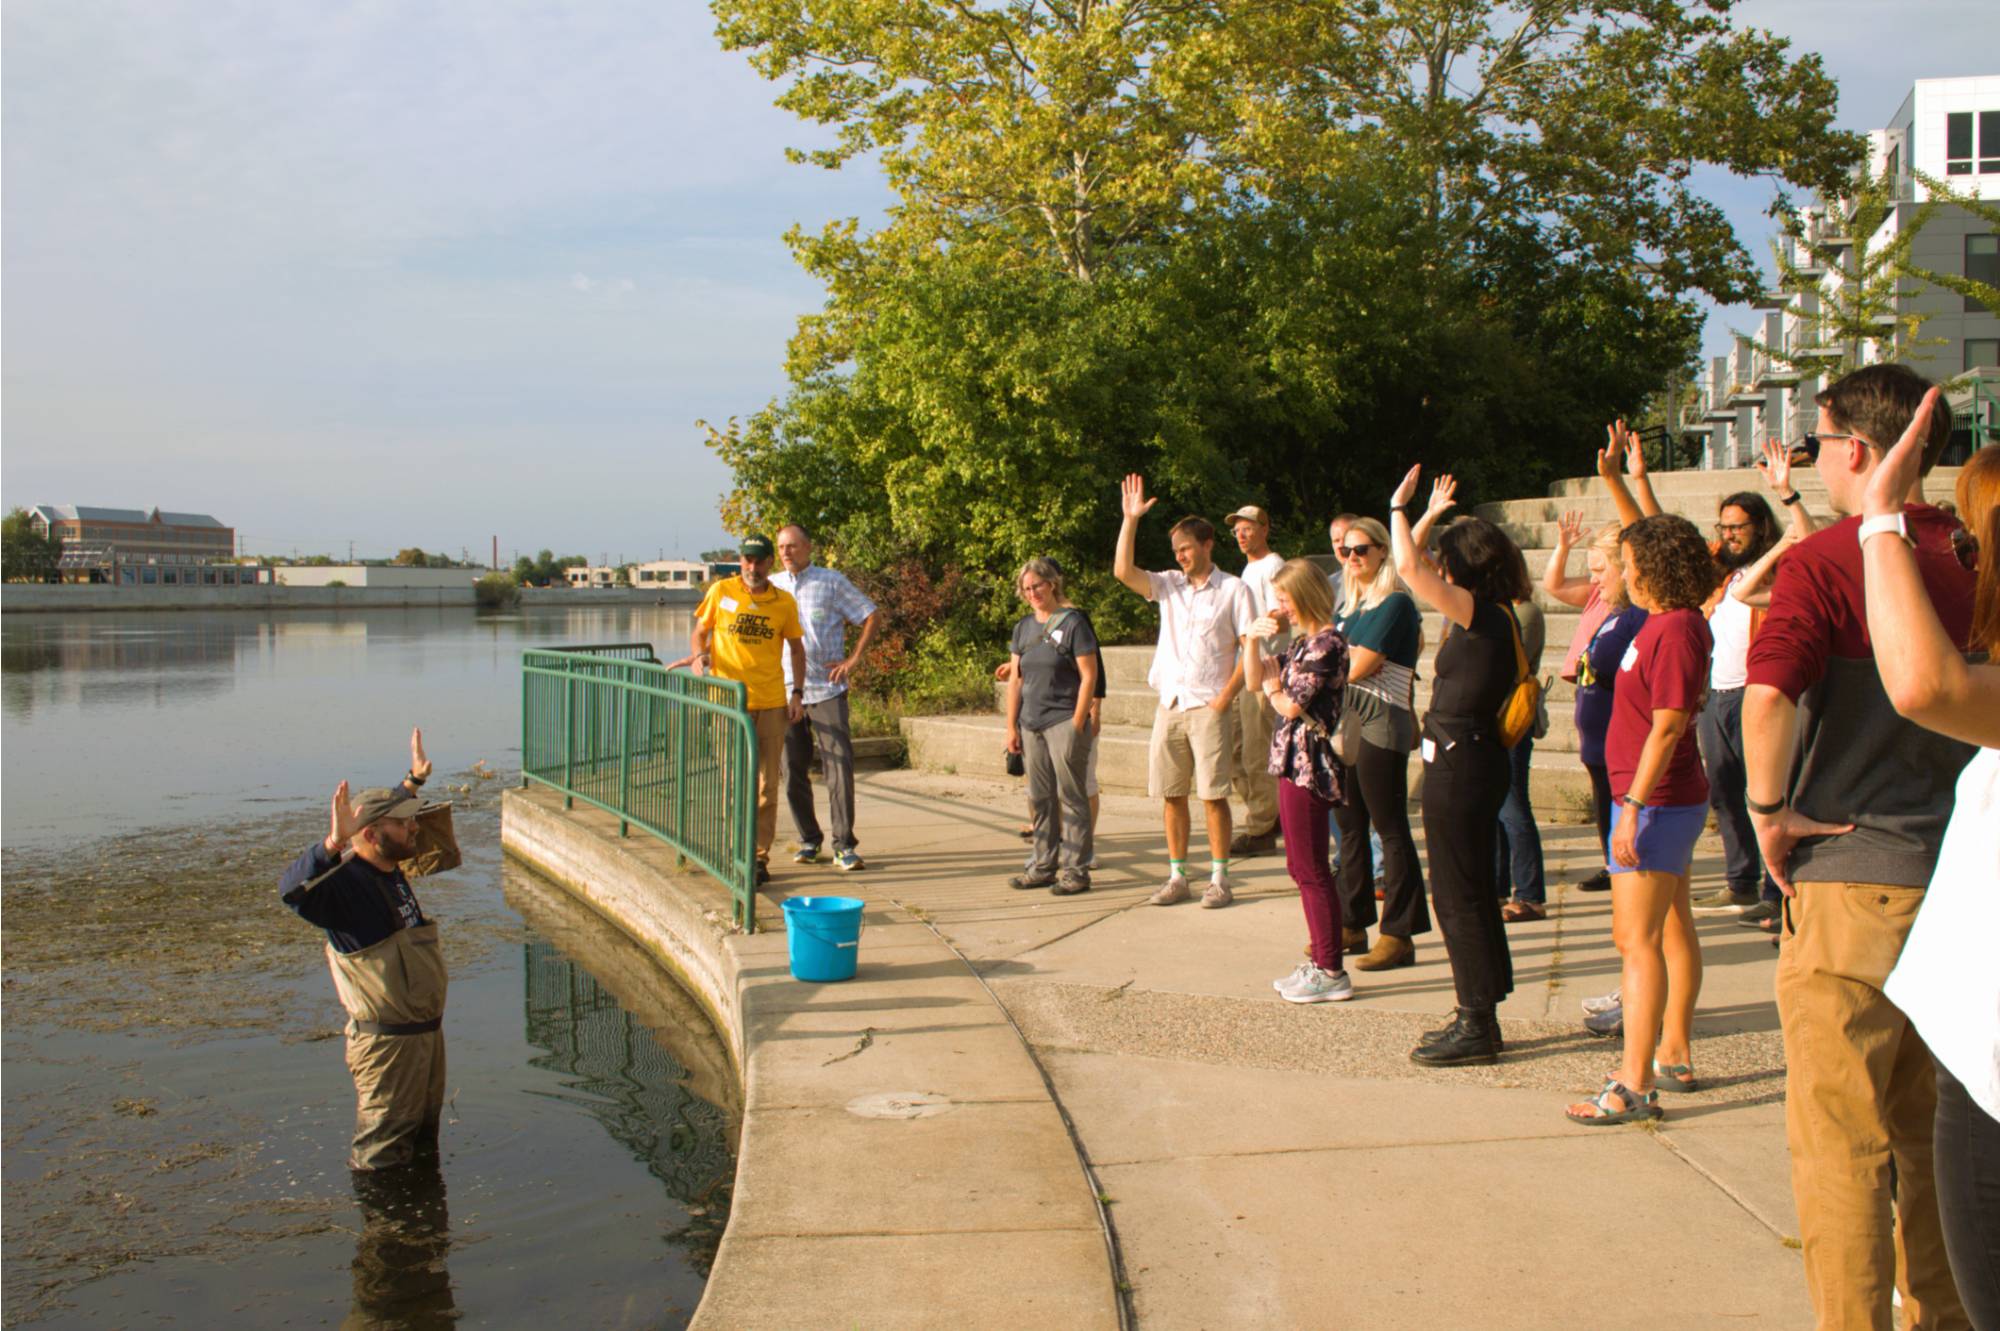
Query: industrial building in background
(143, 547)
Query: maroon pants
(1302, 815)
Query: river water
(176, 1108)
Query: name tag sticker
(1631, 657)
(728, 603)
(1430, 749)
(1057, 635)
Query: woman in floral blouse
(1305, 689)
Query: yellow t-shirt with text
(748, 636)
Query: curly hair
(1479, 557)
(1671, 560)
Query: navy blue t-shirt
(1597, 679)
(358, 905)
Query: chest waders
(394, 995)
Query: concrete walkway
(1273, 1165)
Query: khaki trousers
(1250, 775)
(399, 1097)
(1860, 1094)
(771, 724)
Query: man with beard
(386, 963)
(1745, 531)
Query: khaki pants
(1251, 779)
(1860, 1093)
(771, 724)
(399, 1094)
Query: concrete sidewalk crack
(867, 1038)
(1662, 1136)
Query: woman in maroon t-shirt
(1662, 802)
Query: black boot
(1472, 1037)
(1432, 1037)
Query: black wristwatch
(1790, 499)
(414, 780)
(1632, 803)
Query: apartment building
(1948, 129)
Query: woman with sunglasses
(1662, 793)
(1465, 766)
(1384, 632)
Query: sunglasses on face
(1966, 546)
(1357, 551)
(1807, 449)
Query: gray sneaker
(1725, 902)
(1606, 1024)
(1318, 986)
(1603, 1003)
(1172, 892)
(1757, 914)
(1285, 982)
(1217, 894)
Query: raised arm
(1444, 492)
(1753, 588)
(1608, 460)
(1927, 680)
(1132, 505)
(1454, 603)
(1635, 463)
(1555, 578)
(1776, 466)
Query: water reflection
(638, 1053)
(400, 1279)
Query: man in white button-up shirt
(1205, 614)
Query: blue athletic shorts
(1666, 837)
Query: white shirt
(1729, 625)
(1945, 979)
(1199, 632)
(1257, 575)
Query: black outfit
(1966, 1163)
(1378, 793)
(1465, 783)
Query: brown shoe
(1388, 953)
(1516, 912)
(1353, 942)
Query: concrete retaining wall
(33, 598)
(902, 1162)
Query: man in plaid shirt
(828, 603)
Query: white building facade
(1949, 130)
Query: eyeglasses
(1731, 528)
(1807, 449)
(1027, 587)
(1357, 551)
(1966, 546)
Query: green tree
(411, 557)
(26, 553)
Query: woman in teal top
(1384, 632)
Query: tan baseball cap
(371, 806)
(1249, 513)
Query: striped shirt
(828, 603)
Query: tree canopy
(1262, 253)
(26, 553)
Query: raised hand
(1408, 489)
(1612, 454)
(1132, 501)
(340, 829)
(1443, 490)
(420, 766)
(1266, 626)
(1635, 452)
(1570, 529)
(1889, 484)
(1776, 464)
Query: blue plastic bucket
(824, 936)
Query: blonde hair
(1307, 589)
(1605, 543)
(1367, 595)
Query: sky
(386, 273)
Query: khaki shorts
(1191, 753)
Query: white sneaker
(1175, 890)
(1604, 1003)
(1288, 981)
(1217, 895)
(1318, 986)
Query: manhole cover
(900, 1104)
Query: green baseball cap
(375, 804)
(755, 547)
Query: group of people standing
(1830, 731)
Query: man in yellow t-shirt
(743, 626)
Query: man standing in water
(386, 963)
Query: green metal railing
(667, 752)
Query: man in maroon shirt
(1850, 803)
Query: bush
(496, 591)
(337, 582)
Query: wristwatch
(1765, 809)
(1631, 803)
(1790, 499)
(1875, 526)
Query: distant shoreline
(73, 598)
